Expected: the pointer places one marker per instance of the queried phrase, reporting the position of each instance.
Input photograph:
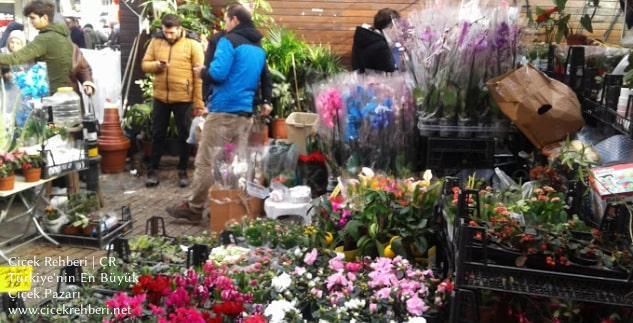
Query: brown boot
(184, 211)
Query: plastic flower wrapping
(32, 80)
(232, 168)
(10, 96)
(452, 51)
(366, 119)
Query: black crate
(102, 238)
(460, 153)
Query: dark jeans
(160, 121)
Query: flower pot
(32, 174)
(7, 183)
(279, 129)
(576, 39)
(72, 230)
(54, 226)
(350, 255)
(89, 230)
(113, 144)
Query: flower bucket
(7, 183)
(32, 174)
(350, 255)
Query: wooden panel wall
(333, 21)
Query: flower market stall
(487, 180)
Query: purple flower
(429, 35)
(464, 32)
(502, 37)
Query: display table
(30, 203)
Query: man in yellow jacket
(171, 56)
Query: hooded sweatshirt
(371, 51)
(237, 69)
(52, 46)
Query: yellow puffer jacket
(177, 82)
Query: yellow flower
(328, 238)
(388, 252)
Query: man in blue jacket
(237, 71)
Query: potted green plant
(557, 25)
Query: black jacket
(371, 51)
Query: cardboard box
(227, 205)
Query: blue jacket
(237, 70)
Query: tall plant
(196, 15)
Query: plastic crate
(460, 153)
(300, 126)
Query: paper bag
(544, 109)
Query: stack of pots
(113, 144)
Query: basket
(300, 126)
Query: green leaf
(560, 4)
(585, 21)
(353, 227)
(421, 244)
(398, 247)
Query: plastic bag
(195, 123)
(280, 159)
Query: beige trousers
(219, 129)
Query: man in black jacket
(370, 49)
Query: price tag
(15, 279)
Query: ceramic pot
(54, 226)
(32, 174)
(113, 144)
(7, 183)
(279, 129)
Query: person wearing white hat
(15, 42)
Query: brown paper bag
(544, 109)
(227, 205)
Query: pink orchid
(311, 257)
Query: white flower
(298, 252)
(277, 310)
(311, 284)
(309, 276)
(352, 321)
(417, 320)
(355, 303)
(281, 282)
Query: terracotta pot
(7, 183)
(71, 230)
(32, 174)
(576, 39)
(87, 231)
(113, 144)
(279, 129)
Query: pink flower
(179, 298)
(353, 266)
(336, 263)
(329, 106)
(311, 257)
(157, 310)
(415, 306)
(133, 305)
(186, 315)
(299, 271)
(223, 282)
(373, 307)
(316, 292)
(336, 279)
(383, 293)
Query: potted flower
(31, 167)
(77, 224)
(54, 219)
(7, 169)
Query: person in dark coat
(76, 34)
(371, 49)
(7, 31)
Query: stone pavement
(118, 190)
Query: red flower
(550, 261)
(229, 308)
(26, 166)
(255, 319)
(155, 288)
(546, 15)
(472, 223)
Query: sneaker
(152, 178)
(183, 180)
(184, 211)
